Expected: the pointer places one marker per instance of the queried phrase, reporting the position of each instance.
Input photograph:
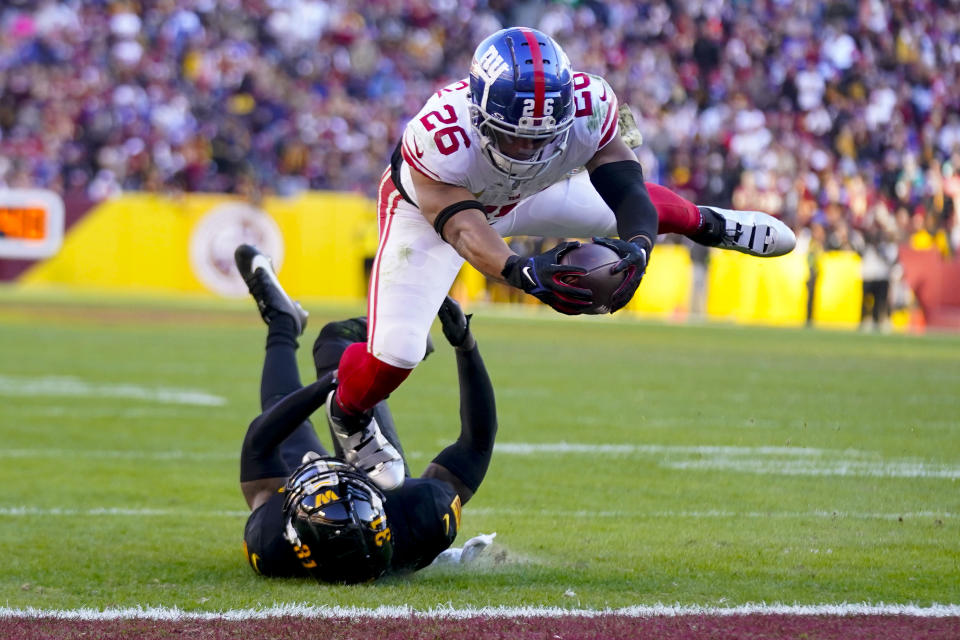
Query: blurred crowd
(843, 118)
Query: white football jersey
(442, 143)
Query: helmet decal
(335, 522)
(489, 66)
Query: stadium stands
(841, 118)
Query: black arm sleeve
(260, 455)
(469, 457)
(621, 186)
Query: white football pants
(414, 269)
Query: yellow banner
(323, 242)
(667, 285)
(150, 242)
(839, 292)
(757, 290)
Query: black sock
(280, 372)
(349, 422)
(712, 228)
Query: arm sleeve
(621, 186)
(260, 455)
(469, 457)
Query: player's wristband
(511, 273)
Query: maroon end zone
(605, 627)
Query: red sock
(364, 380)
(677, 215)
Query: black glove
(543, 276)
(456, 326)
(633, 260)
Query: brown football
(597, 260)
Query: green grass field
(637, 463)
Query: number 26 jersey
(442, 143)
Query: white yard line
(22, 511)
(72, 410)
(761, 460)
(66, 386)
(115, 454)
(529, 448)
(855, 468)
(708, 514)
(13, 511)
(658, 610)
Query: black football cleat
(257, 271)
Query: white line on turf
(824, 468)
(711, 513)
(935, 610)
(764, 460)
(73, 410)
(23, 511)
(172, 454)
(118, 511)
(59, 386)
(529, 448)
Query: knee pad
(402, 347)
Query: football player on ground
(499, 154)
(317, 514)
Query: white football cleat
(752, 232)
(367, 449)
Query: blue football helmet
(336, 523)
(521, 91)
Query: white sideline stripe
(118, 511)
(118, 454)
(21, 510)
(75, 387)
(639, 611)
(508, 448)
(527, 449)
(711, 513)
(840, 468)
(74, 410)
(767, 460)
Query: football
(597, 260)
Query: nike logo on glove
(526, 271)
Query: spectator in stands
(878, 254)
(284, 96)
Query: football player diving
(524, 145)
(315, 514)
